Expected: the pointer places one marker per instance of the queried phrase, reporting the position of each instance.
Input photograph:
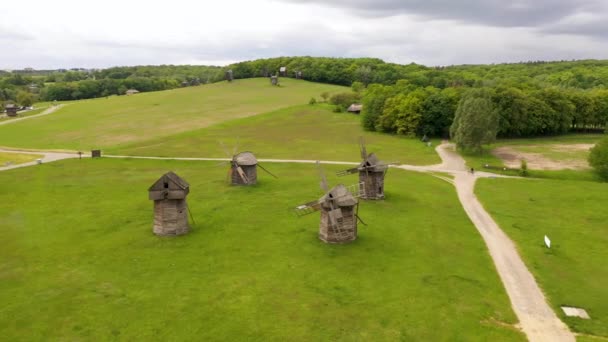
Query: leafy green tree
(325, 96)
(598, 158)
(476, 121)
(373, 101)
(312, 101)
(25, 99)
(357, 87)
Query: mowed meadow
(79, 260)
(107, 122)
(299, 132)
(573, 215)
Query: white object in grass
(547, 242)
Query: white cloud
(63, 33)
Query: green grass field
(104, 123)
(573, 214)
(17, 158)
(79, 261)
(301, 132)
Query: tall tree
(476, 121)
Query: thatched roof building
(355, 108)
(132, 92)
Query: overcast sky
(95, 34)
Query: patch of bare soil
(538, 161)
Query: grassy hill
(107, 122)
(573, 214)
(79, 261)
(300, 132)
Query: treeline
(408, 109)
(584, 74)
(340, 71)
(76, 84)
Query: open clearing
(573, 214)
(107, 122)
(79, 260)
(546, 157)
(301, 132)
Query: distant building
(11, 109)
(355, 108)
(132, 92)
(283, 71)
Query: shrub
(523, 171)
(344, 100)
(324, 96)
(598, 158)
(338, 109)
(312, 101)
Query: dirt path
(537, 319)
(47, 157)
(48, 111)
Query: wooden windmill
(243, 167)
(371, 173)
(170, 208)
(339, 209)
(229, 75)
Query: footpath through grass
(106, 122)
(301, 132)
(573, 214)
(17, 158)
(79, 261)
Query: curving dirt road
(537, 319)
(46, 112)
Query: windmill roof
(245, 158)
(372, 163)
(341, 196)
(170, 176)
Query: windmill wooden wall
(250, 171)
(170, 208)
(344, 203)
(346, 229)
(373, 181)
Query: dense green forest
(76, 84)
(532, 98)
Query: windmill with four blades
(371, 173)
(339, 209)
(243, 167)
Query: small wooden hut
(132, 92)
(170, 208)
(95, 153)
(243, 170)
(11, 109)
(298, 75)
(283, 71)
(338, 216)
(355, 108)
